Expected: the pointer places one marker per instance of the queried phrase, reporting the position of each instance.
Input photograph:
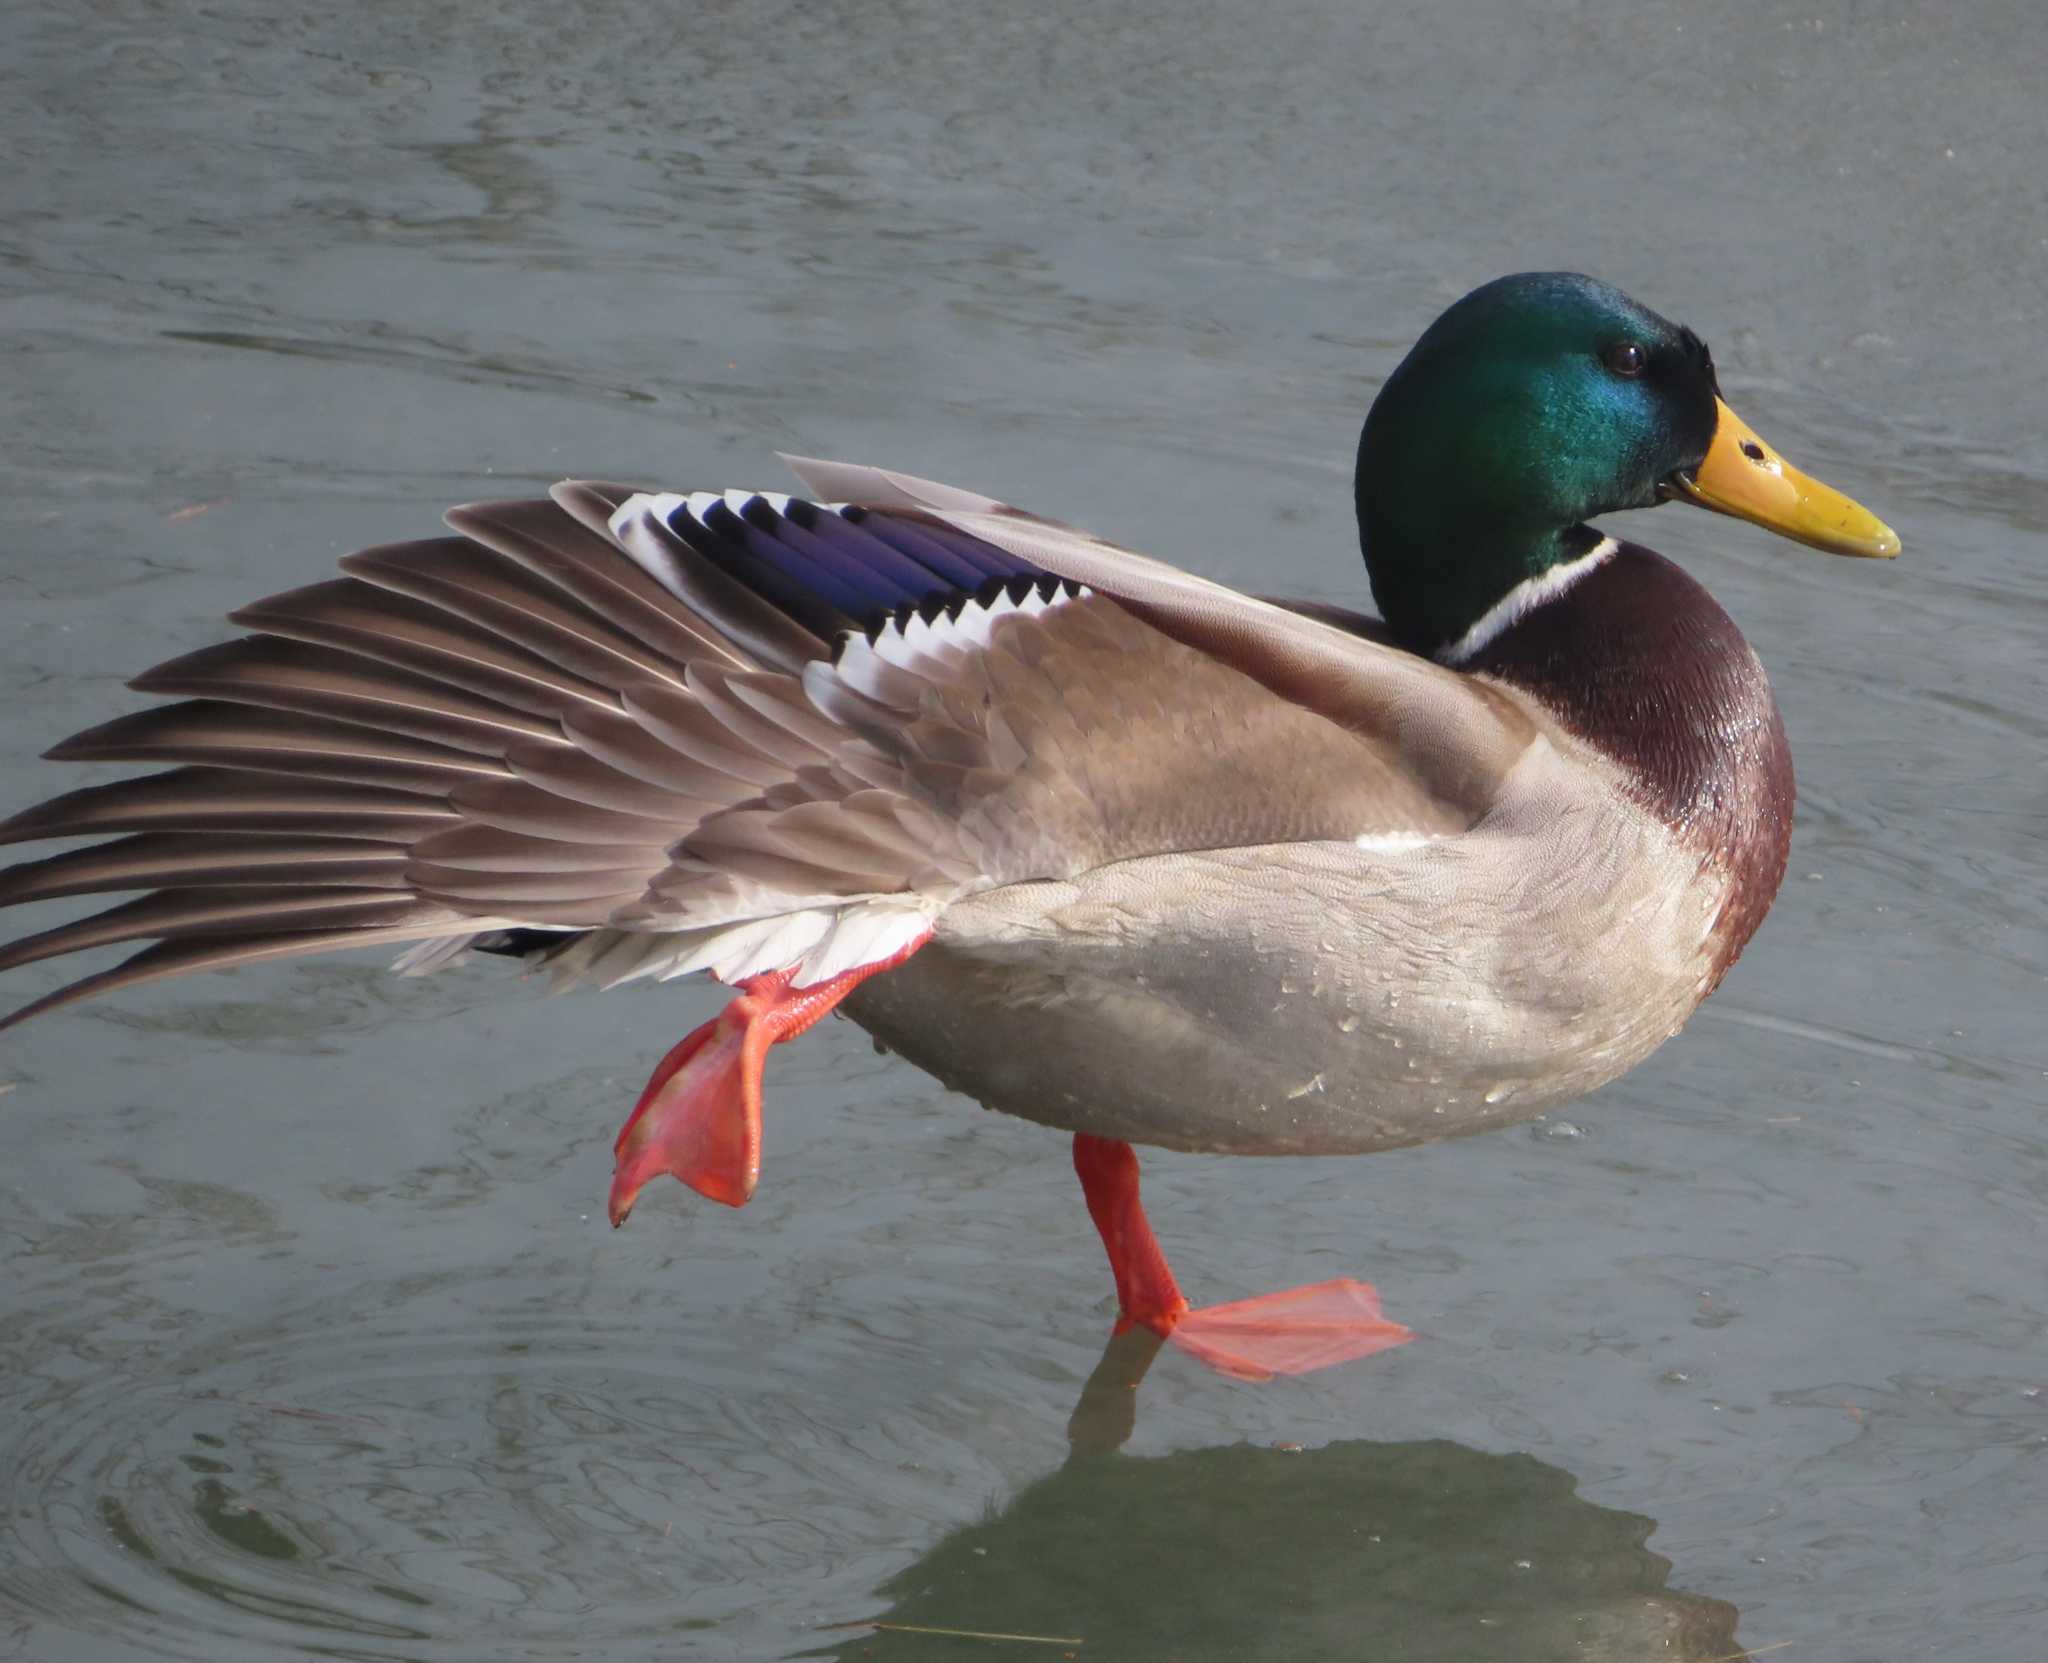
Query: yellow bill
(1744, 477)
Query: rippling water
(313, 1341)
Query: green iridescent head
(1532, 405)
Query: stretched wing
(1458, 736)
(735, 732)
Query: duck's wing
(730, 731)
(1457, 735)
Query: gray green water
(313, 1341)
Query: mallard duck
(1090, 839)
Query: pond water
(313, 1340)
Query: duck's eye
(1625, 358)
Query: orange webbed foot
(1295, 1332)
(699, 1117)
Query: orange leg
(1147, 1296)
(700, 1116)
(1294, 1332)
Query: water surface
(313, 1341)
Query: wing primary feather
(623, 743)
(594, 895)
(515, 806)
(149, 860)
(490, 849)
(395, 629)
(550, 542)
(476, 584)
(277, 674)
(228, 799)
(591, 503)
(178, 958)
(587, 779)
(179, 913)
(211, 731)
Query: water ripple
(396, 1475)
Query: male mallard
(1147, 860)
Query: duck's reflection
(1418, 1552)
